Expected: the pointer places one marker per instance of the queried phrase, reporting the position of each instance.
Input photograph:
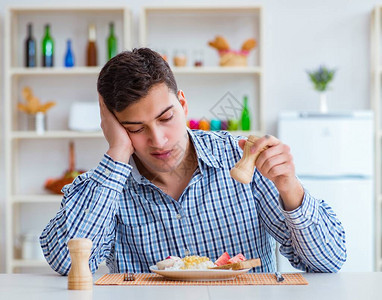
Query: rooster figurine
(229, 57)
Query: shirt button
(87, 211)
(107, 173)
(187, 252)
(178, 216)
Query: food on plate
(237, 262)
(245, 264)
(193, 262)
(196, 262)
(237, 258)
(167, 263)
(223, 259)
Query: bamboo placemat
(244, 279)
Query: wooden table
(359, 286)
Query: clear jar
(180, 58)
(198, 58)
(30, 247)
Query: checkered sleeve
(311, 236)
(318, 233)
(87, 210)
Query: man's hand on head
(120, 145)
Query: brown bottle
(91, 57)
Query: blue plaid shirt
(133, 224)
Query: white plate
(198, 275)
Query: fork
(128, 277)
(279, 277)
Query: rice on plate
(187, 263)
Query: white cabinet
(348, 198)
(376, 101)
(31, 158)
(212, 91)
(323, 144)
(335, 166)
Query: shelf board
(43, 198)
(201, 8)
(216, 70)
(38, 71)
(66, 8)
(98, 134)
(55, 134)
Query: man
(162, 189)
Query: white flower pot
(323, 103)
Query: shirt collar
(134, 172)
(202, 151)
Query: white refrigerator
(334, 159)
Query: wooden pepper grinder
(244, 168)
(80, 277)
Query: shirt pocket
(143, 244)
(137, 212)
(141, 228)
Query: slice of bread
(245, 264)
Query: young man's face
(156, 125)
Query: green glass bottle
(111, 42)
(245, 120)
(47, 48)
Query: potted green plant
(320, 79)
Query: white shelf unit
(38, 71)
(63, 85)
(81, 80)
(55, 134)
(376, 101)
(189, 28)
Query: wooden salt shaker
(245, 167)
(80, 277)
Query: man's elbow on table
(335, 259)
(59, 260)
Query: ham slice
(223, 259)
(246, 264)
(237, 258)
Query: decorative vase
(37, 122)
(323, 103)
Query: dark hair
(130, 75)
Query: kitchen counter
(321, 286)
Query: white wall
(300, 35)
